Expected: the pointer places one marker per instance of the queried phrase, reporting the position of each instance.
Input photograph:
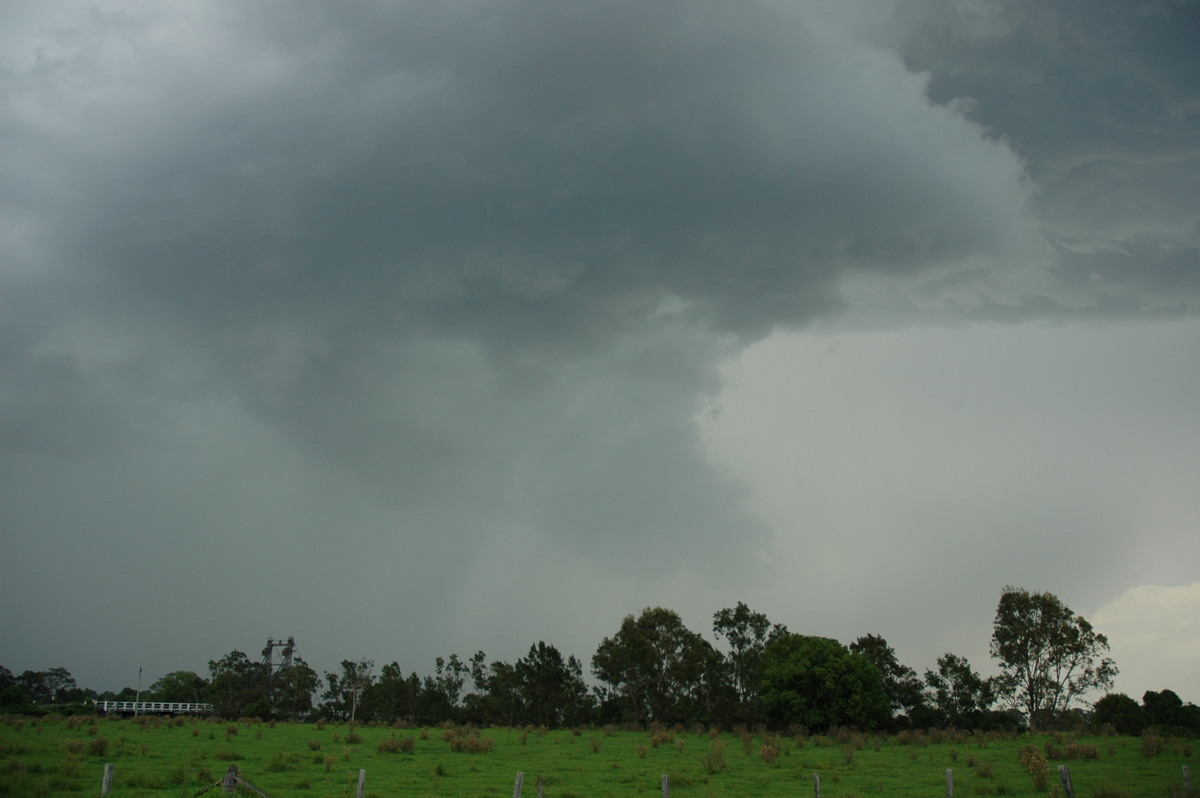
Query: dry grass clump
(1036, 766)
(1152, 743)
(467, 741)
(714, 760)
(397, 745)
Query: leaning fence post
(517, 786)
(106, 783)
(230, 782)
(1064, 773)
(666, 786)
(362, 780)
(817, 785)
(949, 783)
(1187, 782)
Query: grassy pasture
(178, 757)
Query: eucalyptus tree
(1049, 656)
(654, 668)
(959, 694)
(900, 682)
(747, 632)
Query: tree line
(654, 669)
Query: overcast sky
(429, 327)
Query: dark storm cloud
(436, 275)
(301, 205)
(1104, 107)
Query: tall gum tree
(1048, 655)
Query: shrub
(396, 745)
(1152, 744)
(353, 737)
(314, 745)
(281, 762)
(595, 741)
(714, 760)
(98, 746)
(768, 753)
(983, 769)
(74, 746)
(1036, 766)
(1078, 750)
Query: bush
(714, 760)
(1152, 744)
(1036, 766)
(396, 745)
(281, 762)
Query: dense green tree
(51, 686)
(181, 686)
(236, 685)
(959, 695)
(653, 668)
(292, 689)
(818, 682)
(12, 697)
(497, 699)
(1166, 710)
(1049, 656)
(551, 689)
(747, 633)
(900, 682)
(393, 697)
(441, 693)
(1121, 712)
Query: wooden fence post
(666, 786)
(1187, 782)
(230, 782)
(517, 786)
(106, 783)
(541, 787)
(362, 780)
(817, 784)
(1064, 775)
(949, 783)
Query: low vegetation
(158, 756)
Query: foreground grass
(179, 757)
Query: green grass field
(179, 757)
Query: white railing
(141, 707)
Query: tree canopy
(819, 683)
(1048, 655)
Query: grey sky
(415, 328)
